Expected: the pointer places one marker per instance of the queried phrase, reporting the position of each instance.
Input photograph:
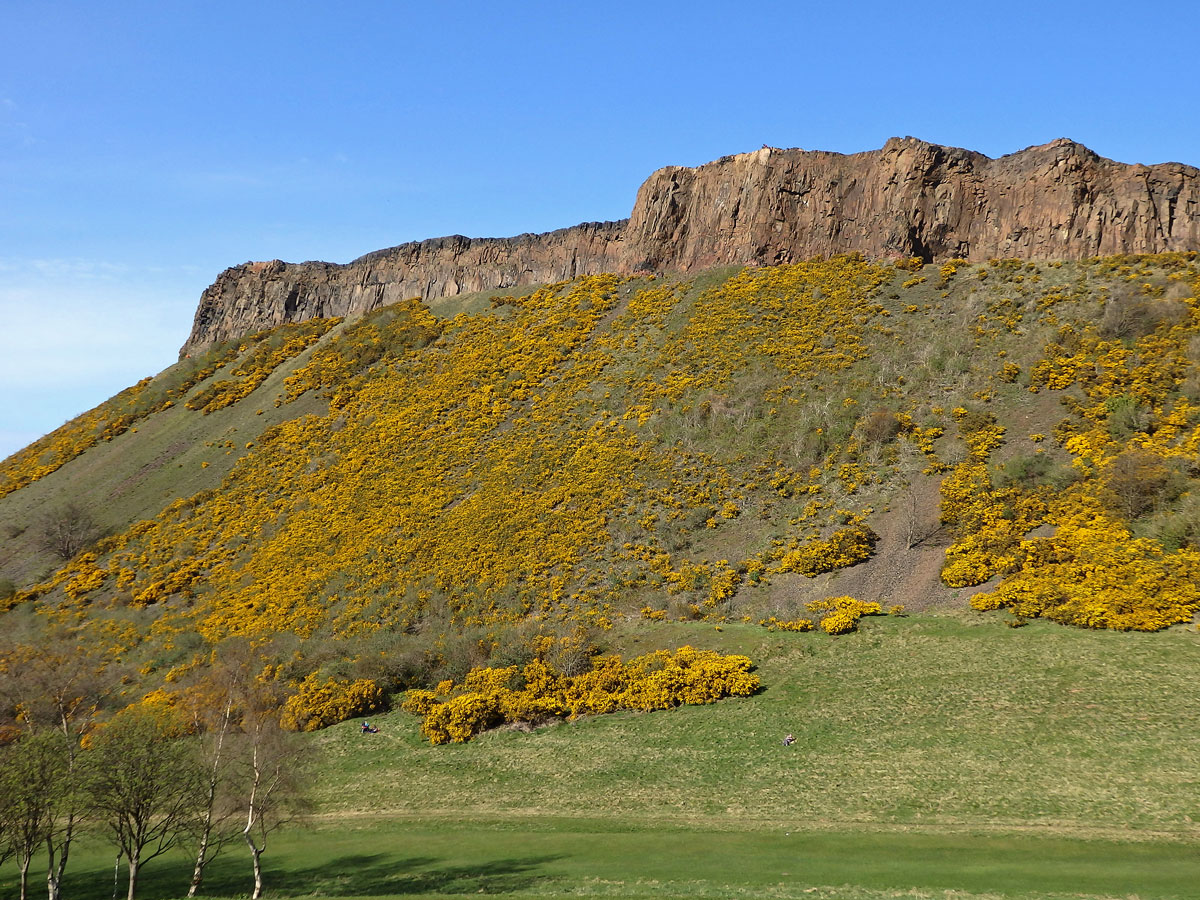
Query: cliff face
(260, 295)
(911, 198)
(1057, 201)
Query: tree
(58, 685)
(253, 769)
(919, 524)
(33, 782)
(273, 777)
(66, 530)
(216, 725)
(214, 702)
(270, 771)
(146, 784)
(7, 842)
(56, 682)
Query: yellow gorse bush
(987, 521)
(773, 624)
(319, 702)
(488, 697)
(1092, 572)
(254, 368)
(841, 614)
(842, 549)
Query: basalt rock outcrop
(910, 198)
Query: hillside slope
(410, 493)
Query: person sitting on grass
(368, 728)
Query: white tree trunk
(258, 881)
(214, 780)
(201, 858)
(54, 872)
(252, 813)
(133, 876)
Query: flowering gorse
(535, 694)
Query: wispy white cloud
(63, 269)
(77, 331)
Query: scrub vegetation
(502, 519)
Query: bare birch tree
(58, 684)
(145, 786)
(272, 774)
(215, 703)
(66, 530)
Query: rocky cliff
(911, 198)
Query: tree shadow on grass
(353, 875)
(367, 875)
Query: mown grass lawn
(567, 858)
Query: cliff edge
(910, 198)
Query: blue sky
(146, 146)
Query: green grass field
(937, 756)
(572, 858)
(950, 720)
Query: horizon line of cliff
(908, 199)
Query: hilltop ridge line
(1058, 200)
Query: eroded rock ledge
(910, 198)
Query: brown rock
(911, 198)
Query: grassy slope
(136, 474)
(924, 743)
(938, 721)
(938, 345)
(934, 753)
